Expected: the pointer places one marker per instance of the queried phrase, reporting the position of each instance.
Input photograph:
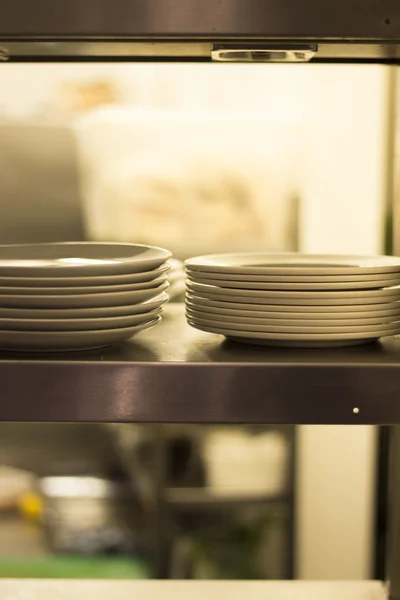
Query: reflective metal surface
(187, 50)
(263, 53)
(172, 28)
(114, 49)
(364, 19)
(176, 374)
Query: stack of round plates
(71, 296)
(294, 299)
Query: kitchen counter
(19, 589)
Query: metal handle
(258, 53)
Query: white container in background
(189, 181)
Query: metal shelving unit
(174, 374)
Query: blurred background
(199, 160)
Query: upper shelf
(203, 19)
(175, 374)
(166, 29)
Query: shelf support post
(393, 570)
(393, 235)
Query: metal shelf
(174, 590)
(176, 374)
(161, 29)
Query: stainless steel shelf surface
(176, 590)
(197, 50)
(365, 19)
(176, 374)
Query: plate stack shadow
(83, 295)
(294, 299)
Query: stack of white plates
(71, 296)
(294, 299)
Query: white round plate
(85, 313)
(68, 340)
(73, 291)
(130, 278)
(283, 308)
(79, 259)
(77, 324)
(257, 285)
(228, 276)
(294, 314)
(282, 328)
(81, 300)
(301, 321)
(294, 264)
(302, 298)
(307, 339)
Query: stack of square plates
(294, 299)
(70, 296)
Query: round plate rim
(89, 281)
(62, 325)
(259, 328)
(214, 262)
(294, 320)
(296, 295)
(157, 301)
(83, 290)
(48, 267)
(304, 315)
(291, 278)
(296, 336)
(296, 286)
(320, 308)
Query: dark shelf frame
(361, 30)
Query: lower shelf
(175, 590)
